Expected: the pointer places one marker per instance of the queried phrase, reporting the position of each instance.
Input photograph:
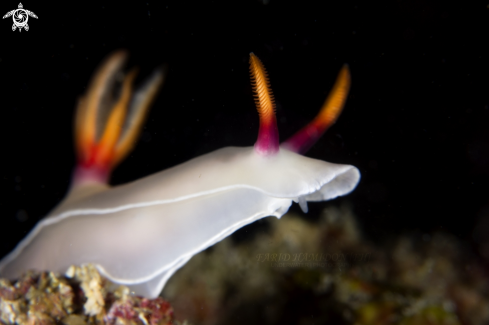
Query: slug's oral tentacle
(267, 143)
(303, 204)
(332, 107)
(107, 125)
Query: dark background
(415, 123)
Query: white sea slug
(139, 234)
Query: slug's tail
(109, 117)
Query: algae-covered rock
(80, 297)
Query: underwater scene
(244, 162)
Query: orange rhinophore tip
(109, 118)
(267, 142)
(332, 107)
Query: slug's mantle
(139, 234)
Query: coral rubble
(80, 297)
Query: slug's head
(268, 143)
(109, 117)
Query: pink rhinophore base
(84, 175)
(267, 142)
(304, 139)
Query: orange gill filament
(89, 105)
(107, 143)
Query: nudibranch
(139, 234)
